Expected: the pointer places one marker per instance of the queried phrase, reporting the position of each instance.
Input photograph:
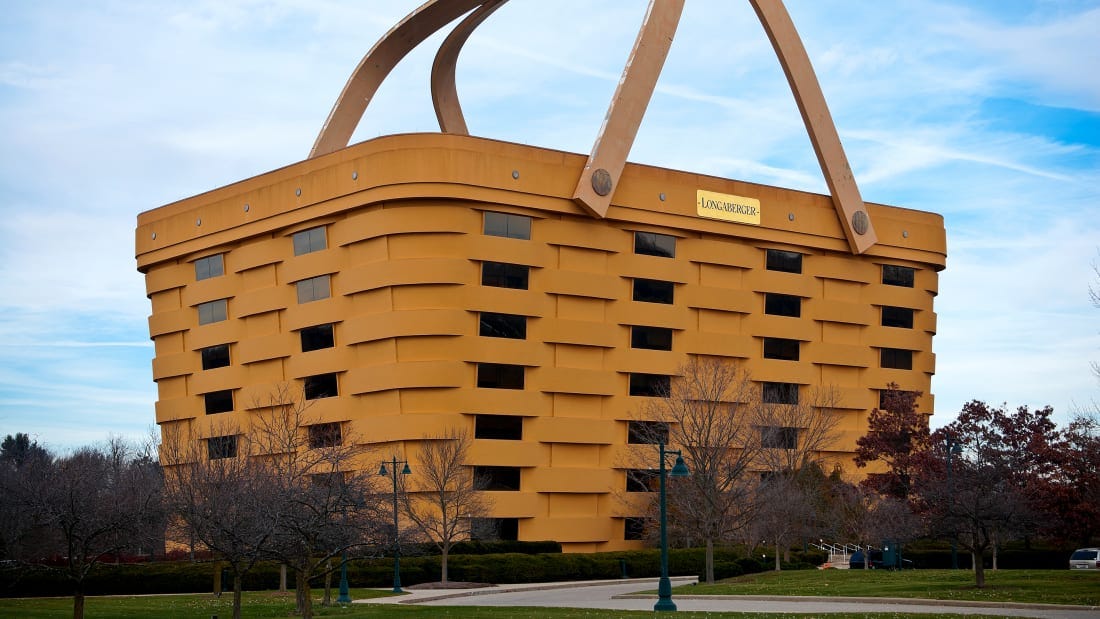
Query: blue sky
(987, 112)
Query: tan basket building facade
(416, 283)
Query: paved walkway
(624, 595)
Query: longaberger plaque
(727, 207)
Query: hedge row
(188, 577)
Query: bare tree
(324, 503)
(793, 435)
(706, 414)
(448, 496)
(93, 505)
(220, 498)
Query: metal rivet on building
(662, 196)
(904, 234)
(601, 182)
(860, 222)
(790, 216)
(515, 174)
(154, 236)
(246, 207)
(298, 191)
(354, 176)
(198, 222)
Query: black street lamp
(396, 536)
(953, 448)
(664, 585)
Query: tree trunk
(217, 579)
(237, 584)
(78, 603)
(777, 564)
(282, 577)
(709, 564)
(443, 565)
(994, 554)
(305, 596)
(299, 595)
(326, 601)
(979, 570)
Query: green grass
(1031, 586)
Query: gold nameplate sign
(727, 207)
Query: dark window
(210, 266)
(782, 305)
(651, 338)
(504, 275)
(896, 358)
(308, 241)
(647, 432)
(901, 317)
(776, 437)
(215, 356)
(313, 289)
(653, 291)
(653, 244)
(213, 311)
(494, 529)
(320, 386)
(499, 376)
(502, 325)
(499, 427)
(218, 447)
(641, 480)
(316, 338)
(650, 385)
(218, 401)
(893, 275)
(780, 348)
(634, 528)
(508, 225)
(333, 480)
(497, 478)
(325, 435)
(779, 393)
(786, 261)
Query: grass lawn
(1037, 586)
(1047, 586)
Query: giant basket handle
(605, 164)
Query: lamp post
(396, 537)
(664, 585)
(953, 448)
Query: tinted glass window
(324, 435)
(901, 317)
(651, 338)
(779, 393)
(780, 348)
(650, 385)
(212, 311)
(502, 325)
(218, 401)
(320, 386)
(647, 432)
(782, 305)
(498, 427)
(893, 275)
(774, 437)
(218, 447)
(497, 478)
(308, 241)
(507, 225)
(215, 356)
(210, 266)
(641, 480)
(653, 244)
(897, 359)
(653, 291)
(316, 338)
(786, 261)
(504, 275)
(634, 528)
(499, 376)
(313, 289)
(503, 529)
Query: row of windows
(319, 436)
(313, 338)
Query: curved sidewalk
(624, 595)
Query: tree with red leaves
(896, 435)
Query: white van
(1085, 559)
